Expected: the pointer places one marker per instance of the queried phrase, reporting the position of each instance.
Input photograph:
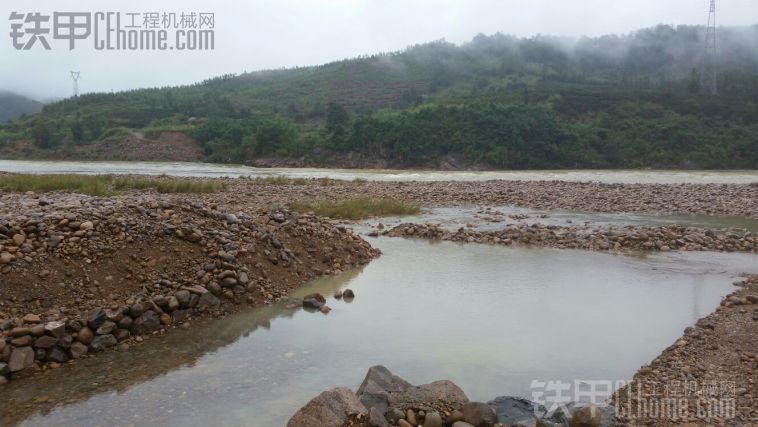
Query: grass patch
(168, 185)
(94, 185)
(103, 185)
(357, 208)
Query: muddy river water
(492, 319)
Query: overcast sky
(260, 34)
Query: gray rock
(478, 414)
(106, 328)
(45, 342)
(461, 424)
(101, 342)
(56, 329)
(183, 297)
(445, 392)
(96, 318)
(21, 358)
(376, 418)
(57, 355)
(379, 381)
(78, 350)
(146, 323)
(512, 410)
(208, 300)
(330, 408)
(433, 419)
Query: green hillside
(495, 102)
(13, 106)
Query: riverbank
(85, 274)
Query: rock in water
(479, 414)
(328, 409)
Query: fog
(271, 34)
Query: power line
(709, 72)
(75, 78)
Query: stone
(146, 323)
(461, 424)
(77, 350)
(31, 318)
(348, 293)
(101, 342)
(85, 336)
(6, 258)
(403, 423)
(586, 416)
(378, 382)
(208, 299)
(20, 332)
(57, 355)
(37, 330)
(56, 329)
(22, 341)
(87, 225)
(19, 239)
(512, 410)
(122, 334)
(315, 301)
(395, 415)
(4, 369)
(410, 416)
(106, 328)
(126, 322)
(376, 418)
(96, 318)
(330, 408)
(46, 342)
(172, 303)
(478, 414)
(454, 416)
(433, 419)
(21, 358)
(183, 297)
(438, 391)
(136, 310)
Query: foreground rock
(330, 408)
(81, 275)
(388, 400)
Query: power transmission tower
(709, 72)
(75, 78)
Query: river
(217, 170)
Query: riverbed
(491, 319)
(220, 170)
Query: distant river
(216, 170)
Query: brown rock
(78, 350)
(479, 414)
(85, 336)
(21, 358)
(330, 408)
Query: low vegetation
(93, 185)
(168, 185)
(103, 185)
(357, 208)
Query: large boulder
(516, 410)
(439, 393)
(377, 385)
(328, 409)
(478, 414)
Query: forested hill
(495, 102)
(13, 106)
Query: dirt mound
(163, 147)
(82, 274)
